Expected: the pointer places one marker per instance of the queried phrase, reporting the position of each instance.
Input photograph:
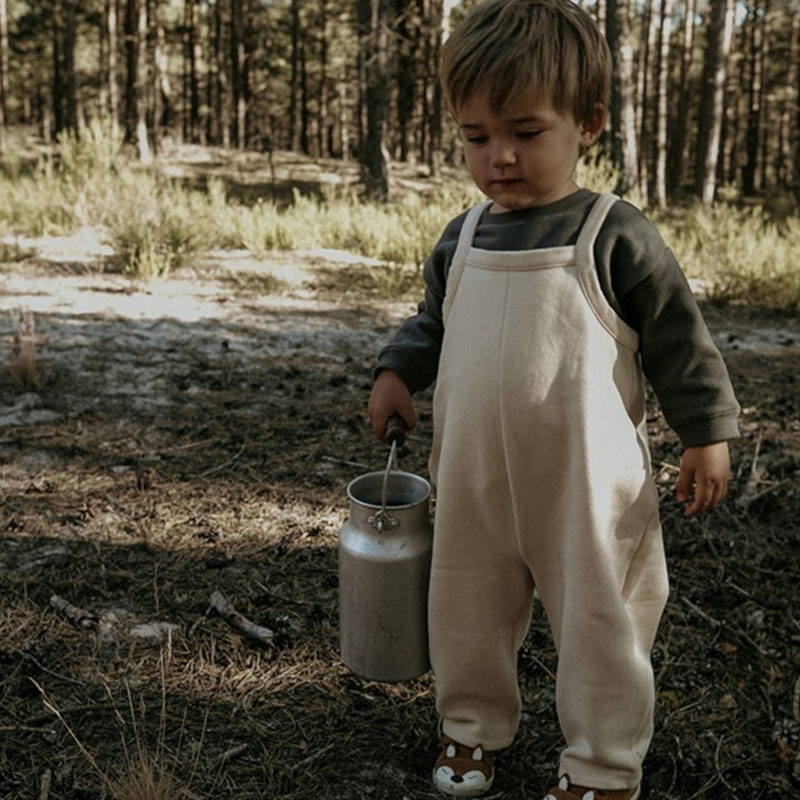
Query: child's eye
(477, 139)
(527, 134)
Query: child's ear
(592, 127)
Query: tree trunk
(623, 91)
(304, 112)
(221, 13)
(58, 82)
(372, 19)
(162, 87)
(662, 112)
(237, 52)
(3, 71)
(711, 102)
(435, 128)
(322, 109)
(69, 65)
(112, 56)
(681, 121)
(766, 96)
(294, 82)
(644, 90)
(427, 79)
(730, 128)
(129, 29)
(749, 173)
(193, 46)
(406, 78)
(792, 122)
(154, 121)
(344, 131)
(142, 144)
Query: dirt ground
(198, 434)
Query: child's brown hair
(550, 47)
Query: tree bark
(142, 143)
(644, 91)
(69, 65)
(711, 102)
(623, 91)
(661, 105)
(792, 135)
(112, 54)
(344, 130)
(375, 173)
(237, 66)
(749, 173)
(221, 13)
(766, 96)
(677, 155)
(129, 29)
(322, 107)
(406, 76)
(58, 81)
(3, 71)
(162, 87)
(294, 81)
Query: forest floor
(197, 434)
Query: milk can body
(384, 569)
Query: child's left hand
(707, 468)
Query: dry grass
(23, 351)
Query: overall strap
(587, 274)
(597, 216)
(460, 256)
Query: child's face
(525, 155)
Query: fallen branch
(25, 729)
(223, 607)
(77, 616)
(44, 787)
(228, 755)
(221, 467)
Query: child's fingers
(707, 495)
(684, 487)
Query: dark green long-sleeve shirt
(642, 281)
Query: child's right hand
(389, 396)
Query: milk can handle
(396, 436)
(396, 430)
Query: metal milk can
(384, 566)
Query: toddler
(545, 308)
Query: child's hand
(389, 396)
(706, 467)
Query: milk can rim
(380, 474)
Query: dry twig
(77, 616)
(44, 786)
(229, 755)
(223, 607)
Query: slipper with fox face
(569, 791)
(462, 771)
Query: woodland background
(198, 267)
(705, 91)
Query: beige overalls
(542, 471)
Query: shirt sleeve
(414, 351)
(648, 289)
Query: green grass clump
(155, 227)
(743, 254)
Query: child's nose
(503, 155)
